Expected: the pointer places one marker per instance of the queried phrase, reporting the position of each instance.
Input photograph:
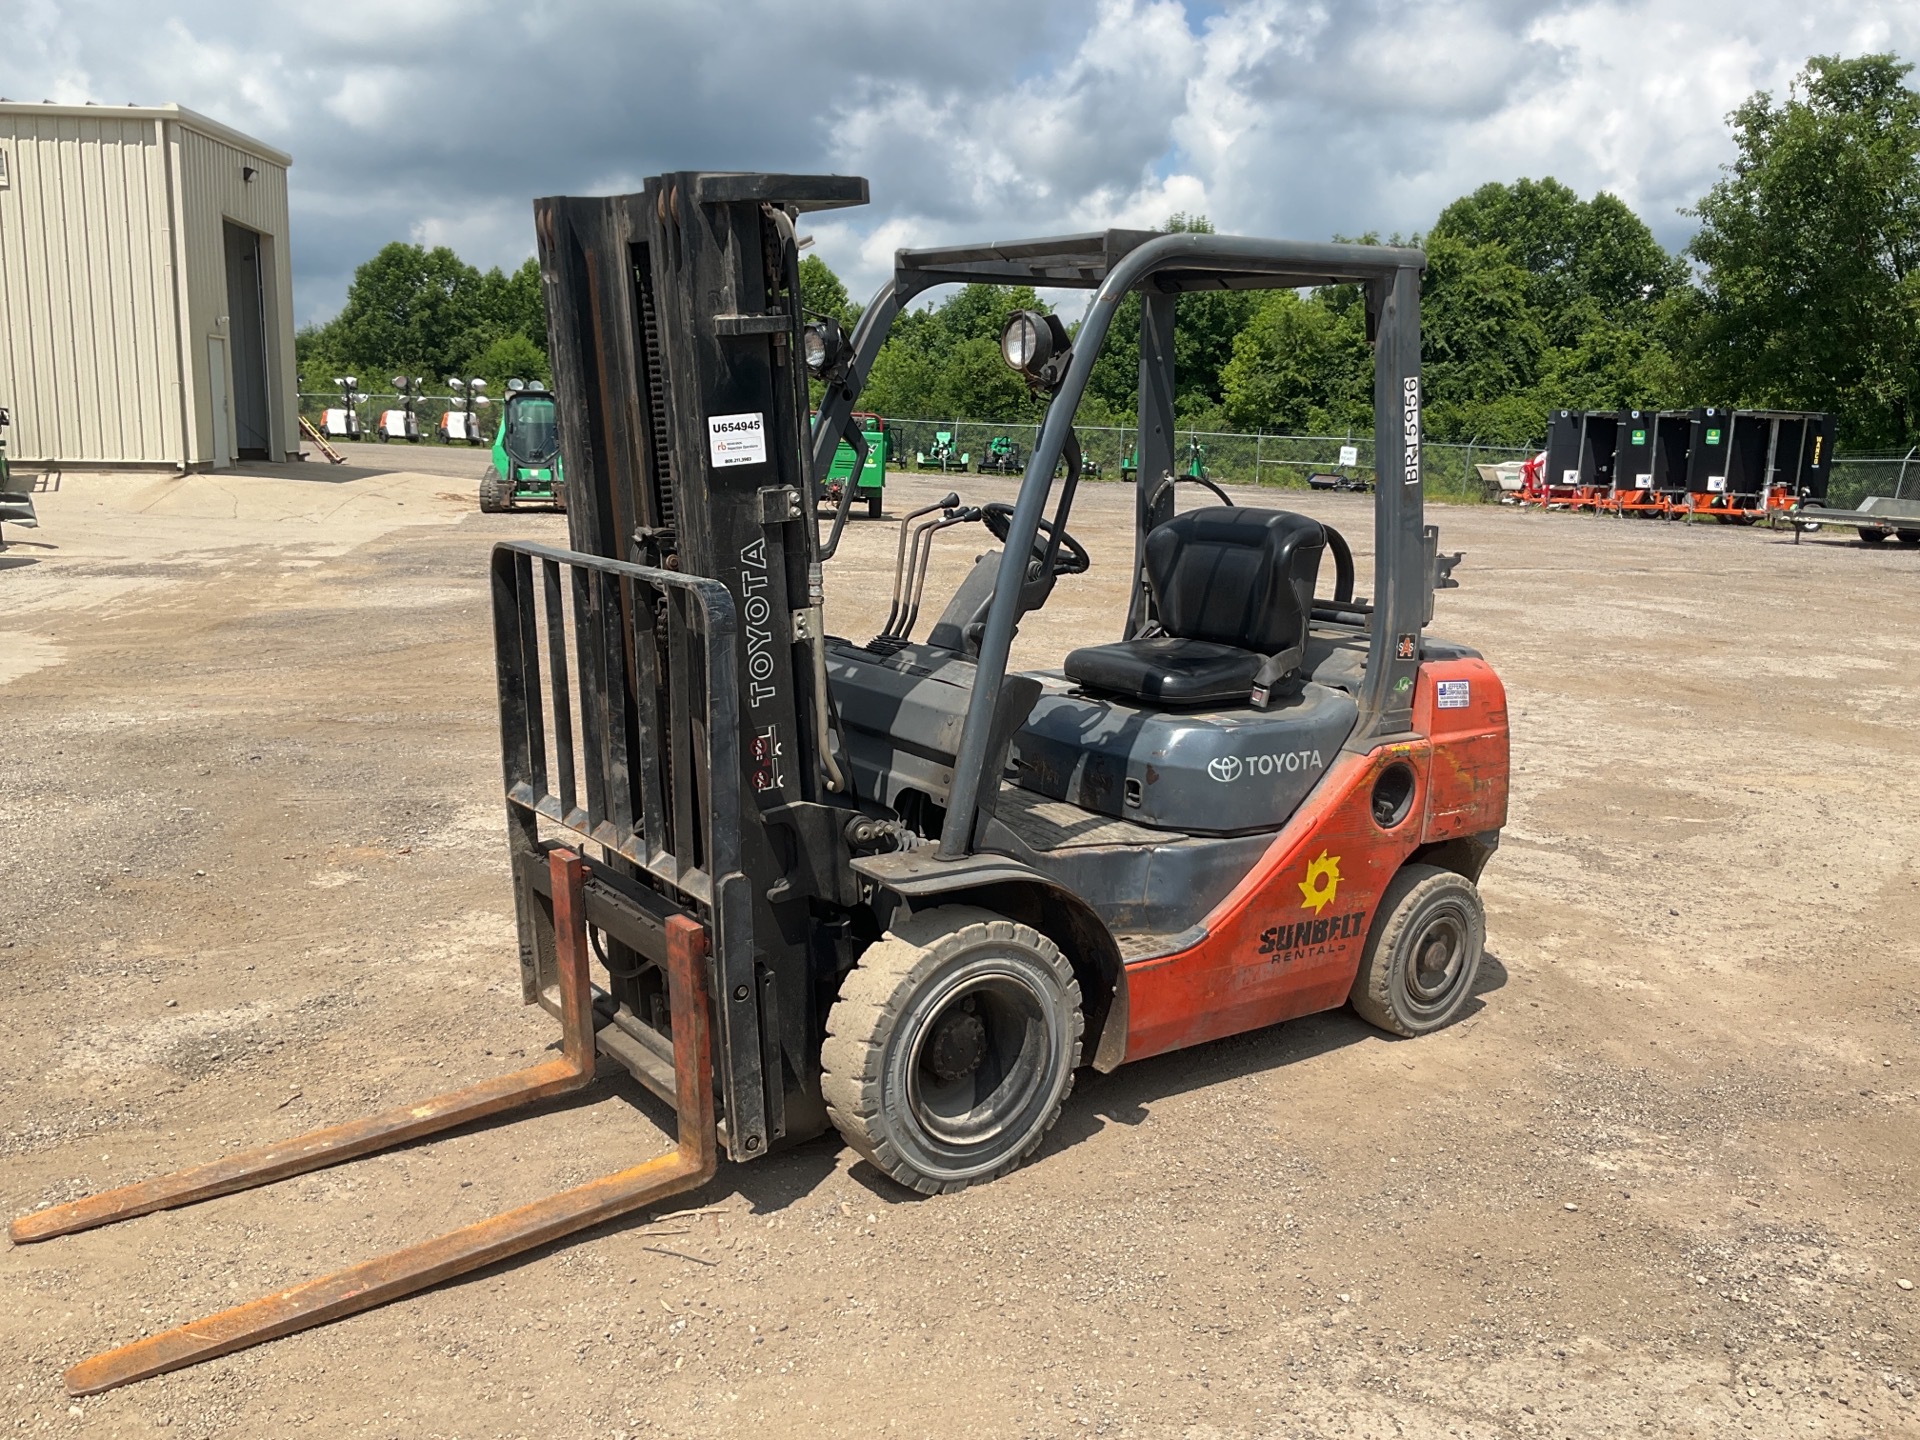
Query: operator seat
(1234, 591)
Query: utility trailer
(1879, 518)
(1769, 462)
(1635, 458)
(893, 887)
(1579, 460)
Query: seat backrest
(1235, 576)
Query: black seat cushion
(1167, 669)
(1232, 586)
(1236, 576)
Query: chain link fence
(1283, 461)
(1852, 479)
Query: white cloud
(983, 119)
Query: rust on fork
(265, 1164)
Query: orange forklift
(795, 882)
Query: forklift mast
(675, 320)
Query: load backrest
(1235, 576)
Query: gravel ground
(1659, 1180)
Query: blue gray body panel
(1217, 772)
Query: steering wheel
(997, 516)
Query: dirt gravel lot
(1661, 1180)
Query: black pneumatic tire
(952, 1048)
(1873, 535)
(493, 492)
(1422, 953)
(1907, 537)
(873, 506)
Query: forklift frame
(664, 697)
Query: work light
(1037, 346)
(1026, 344)
(820, 346)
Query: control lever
(962, 516)
(900, 558)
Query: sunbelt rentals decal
(1310, 935)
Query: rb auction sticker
(736, 440)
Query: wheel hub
(1437, 959)
(958, 1043)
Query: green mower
(1002, 457)
(526, 453)
(942, 455)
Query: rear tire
(1907, 537)
(1872, 535)
(1423, 952)
(952, 1048)
(493, 492)
(873, 506)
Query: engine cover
(1220, 772)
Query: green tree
(509, 303)
(944, 363)
(1579, 255)
(823, 293)
(1810, 248)
(409, 309)
(1481, 339)
(512, 355)
(1205, 326)
(1301, 366)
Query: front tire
(952, 1048)
(1423, 952)
(873, 506)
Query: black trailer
(1708, 437)
(1635, 454)
(1580, 454)
(1776, 457)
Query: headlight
(1024, 343)
(820, 346)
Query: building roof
(179, 114)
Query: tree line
(411, 310)
(1799, 290)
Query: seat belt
(1274, 669)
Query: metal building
(146, 294)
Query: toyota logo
(1224, 768)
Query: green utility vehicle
(942, 455)
(526, 453)
(873, 474)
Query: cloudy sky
(439, 121)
